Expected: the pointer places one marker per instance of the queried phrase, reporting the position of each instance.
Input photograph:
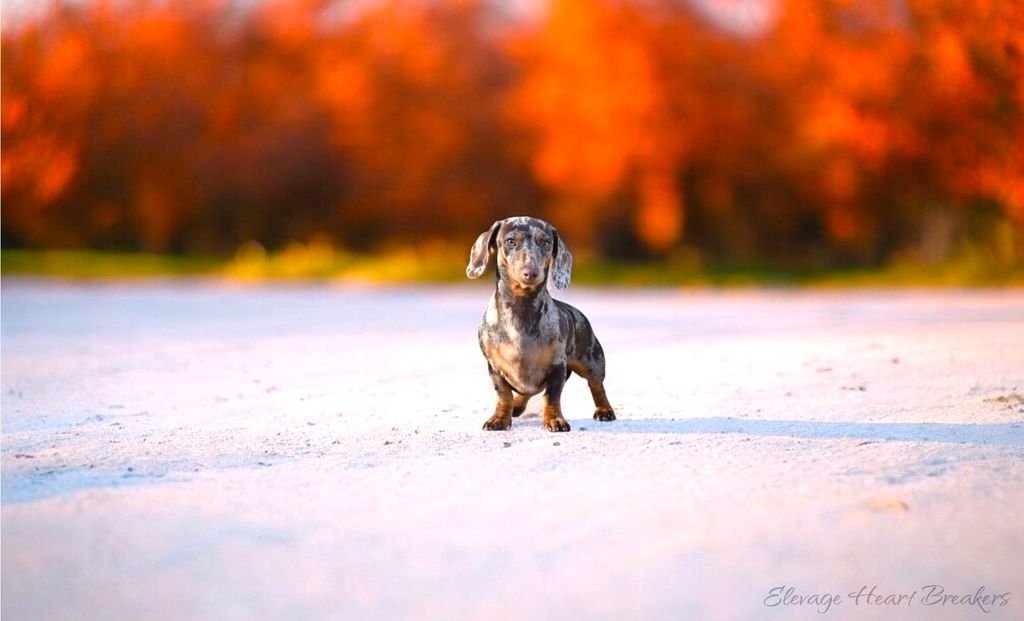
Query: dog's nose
(530, 273)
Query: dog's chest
(524, 357)
(526, 370)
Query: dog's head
(528, 250)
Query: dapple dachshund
(531, 341)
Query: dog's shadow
(995, 434)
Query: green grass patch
(445, 264)
(87, 264)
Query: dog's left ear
(480, 253)
(560, 270)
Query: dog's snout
(530, 273)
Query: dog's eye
(511, 241)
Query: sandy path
(207, 452)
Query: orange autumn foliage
(773, 132)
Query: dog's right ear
(480, 253)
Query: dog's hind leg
(593, 372)
(519, 404)
(603, 410)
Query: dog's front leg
(502, 418)
(553, 419)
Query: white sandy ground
(207, 451)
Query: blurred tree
(789, 133)
(594, 94)
(417, 93)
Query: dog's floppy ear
(561, 265)
(480, 253)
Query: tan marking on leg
(577, 367)
(519, 404)
(603, 411)
(553, 419)
(502, 418)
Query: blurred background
(667, 139)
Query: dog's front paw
(556, 424)
(497, 423)
(604, 414)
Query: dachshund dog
(531, 341)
